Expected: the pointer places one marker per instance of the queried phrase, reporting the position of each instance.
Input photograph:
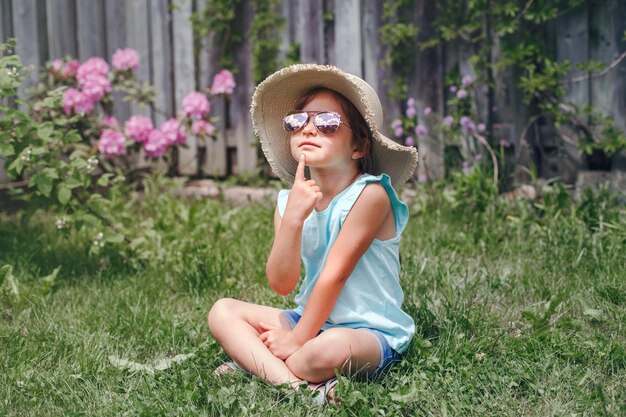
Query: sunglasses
(326, 122)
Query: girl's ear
(357, 154)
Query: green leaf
(38, 150)
(44, 180)
(64, 194)
(594, 314)
(6, 276)
(6, 149)
(73, 137)
(88, 219)
(103, 181)
(44, 131)
(47, 282)
(44, 184)
(5, 270)
(73, 183)
(115, 238)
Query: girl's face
(334, 151)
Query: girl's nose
(309, 128)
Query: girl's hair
(361, 133)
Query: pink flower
(62, 69)
(409, 141)
(125, 59)
(156, 145)
(466, 167)
(427, 111)
(421, 130)
(93, 67)
(398, 131)
(96, 87)
(70, 69)
(223, 83)
(461, 94)
(422, 179)
(410, 102)
(76, 101)
(448, 120)
(481, 127)
(112, 143)
(138, 128)
(202, 128)
(453, 89)
(196, 105)
(467, 124)
(411, 112)
(56, 65)
(396, 124)
(466, 80)
(110, 122)
(174, 132)
(505, 143)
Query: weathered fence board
(371, 59)
(26, 26)
(61, 18)
(241, 152)
(427, 87)
(184, 78)
(90, 29)
(348, 36)
(309, 25)
(6, 23)
(115, 23)
(138, 38)
(214, 161)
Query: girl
(342, 220)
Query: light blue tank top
(371, 297)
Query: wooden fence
(160, 30)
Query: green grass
(524, 316)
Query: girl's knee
(328, 353)
(221, 311)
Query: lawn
(520, 310)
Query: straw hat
(275, 96)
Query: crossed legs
(234, 324)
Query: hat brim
(276, 95)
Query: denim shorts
(388, 356)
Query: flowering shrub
(460, 128)
(73, 152)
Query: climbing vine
(217, 17)
(519, 28)
(400, 35)
(266, 25)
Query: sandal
(228, 368)
(325, 393)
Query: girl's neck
(332, 183)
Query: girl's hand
(304, 194)
(279, 341)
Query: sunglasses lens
(295, 121)
(327, 122)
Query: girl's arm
(283, 265)
(362, 225)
